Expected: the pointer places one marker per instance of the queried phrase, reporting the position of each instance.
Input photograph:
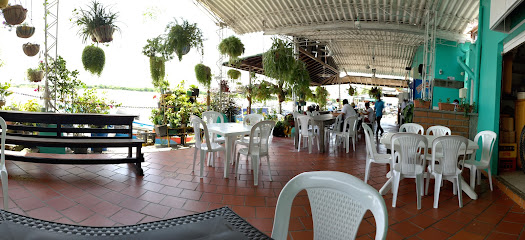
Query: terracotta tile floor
(112, 195)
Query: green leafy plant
(408, 113)
(90, 101)
(321, 95)
(35, 74)
(4, 92)
(374, 92)
(203, 74)
(233, 47)
(423, 100)
(180, 38)
(94, 20)
(234, 74)
(157, 116)
(448, 100)
(466, 107)
(93, 59)
(352, 91)
(66, 83)
(31, 106)
(157, 68)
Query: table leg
(321, 136)
(228, 154)
(296, 136)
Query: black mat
(220, 223)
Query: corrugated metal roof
(390, 30)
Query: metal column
(51, 51)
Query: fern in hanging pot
(157, 68)
(180, 38)
(234, 74)
(203, 75)
(233, 47)
(96, 22)
(93, 59)
(36, 74)
(352, 91)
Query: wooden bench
(31, 129)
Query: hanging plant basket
(2, 103)
(15, 14)
(93, 59)
(3, 3)
(224, 86)
(25, 31)
(31, 49)
(35, 76)
(104, 34)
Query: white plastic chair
(349, 131)
(448, 167)
(407, 162)
(439, 131)
(205, 147)
(3, 170)
(315, 113)
(257, 148)
(338, 202)
(488, 139)
(212, 117)
(412, 128)
(371, 152)
(305, 131)
(336, 127)
(252, 119)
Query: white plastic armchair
(412, 128)
(3, 170)
(371, 152)
(349, 131)
(306, 131)
(488, 139)
(205, 146)
(439, 131)
(214, 117)
(407, 162)
(338, 202)
(252, 119)
(448, 167)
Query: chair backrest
(198, 125)
(451, 149)
(259, 137)
(350, 124)
(370, 144)
(315, 113)
(212, 116)
(408, 151)
(337, 124)
(304, 123)
(412, 128)
(4, 132)
(338, 202)
(252, 119)
(439, 131)
(488, 139)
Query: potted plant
(465, 107)
(233, 47)
(3, 3)
(25, 31)
(422, 103)
(374, 92)
(194, 90)
(321, 94)
(35, 74)
(4, 92)
(203, 75)
(447, 106)
(234, 74)
(352, 91)
(93, 59)
(182, 37)
(97, 23)
(31, 49)
(14, 14)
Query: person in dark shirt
(380, 105)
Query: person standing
(379, 114)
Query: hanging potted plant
(182, 37)
(25, 31)
(352, 91)
(203, 75)
(15, 14)
(234, 74)
(374, 92)
(93, 59)
(233, 47)
(97, 23)
(4, 92)
(31, 49)
(35, 74)
(3, 3)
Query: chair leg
(299, 148)
(237, 163)
(460, 190)
(255, 170)
(395, 187)
(490, 178)
(269, 169)
(194, 160)
(478, 176)
(454, 188)
(428, 183)
(347, 142)
(310, 143)
(473, 177)
(353, 141)
(203, 160)
(419, 189)
(5, 193)
(367, 169)
(437, 188)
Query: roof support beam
(318, 60)
(396, 28)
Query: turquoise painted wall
(446, 55)
(489, 77)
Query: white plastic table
(472, 146)
(229, 131)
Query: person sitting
(348, 110)
(369, 115)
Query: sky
(125, 63)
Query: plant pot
(161, 130)
(36, 76)
(15, 14)
(186, 50)
(25, 31)
(31, 49)
(462, 109)
(421, 104)
(104, 33)
(446, 106)
(3, 3)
